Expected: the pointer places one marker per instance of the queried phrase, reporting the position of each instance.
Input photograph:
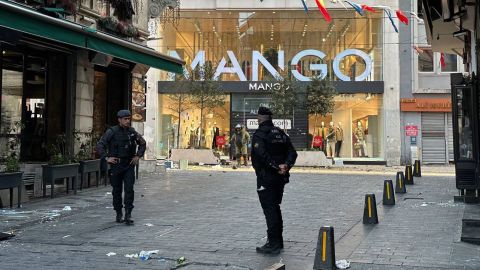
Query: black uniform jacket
(121, 142)
(271, 147)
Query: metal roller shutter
(433, 138)
(450, 137)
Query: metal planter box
(89, 166)
(11, 181)
(52, 172)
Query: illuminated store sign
(257, 57)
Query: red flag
(442, 60)
(368, 8)
(321, 7)
(401, 17)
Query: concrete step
(471, 235)
(471, 224)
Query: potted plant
(86, 156)
(10, 174)
(61, 165)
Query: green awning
(116, 50)
(32, 26)
(27, 20)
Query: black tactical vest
(277, 144)
(123, 143)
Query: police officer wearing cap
(273, 155)
(119, 147)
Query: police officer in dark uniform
(119, 147)
(272, 157)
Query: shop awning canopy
(24, 19)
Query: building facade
(425, 100)
(249, 41)
(66, 70)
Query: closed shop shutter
(450, 136)
(433, 138)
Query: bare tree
(206, 92)
(320, 98)
(285, 97)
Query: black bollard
(417, 170)
(400, 183)
(370, 211)
(408, 175)
(388, 194)
(325, 253)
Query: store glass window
(181, 124)
(425, 60)
(449, 62)
(353, 130)
(11, 98)
(269, 32)
(465, 133)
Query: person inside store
(273, 155)
(122, 147)
(240, 139)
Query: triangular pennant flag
(401, 17)
(368, 8)
(304, 5)
(415, 16)
(323, 10)
(389, 14)
(356, 6)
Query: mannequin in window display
(339, 137)
(193, 135)
(331, 140)
(215, 133)
(323, 133)
(360, 146)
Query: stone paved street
(213, 219)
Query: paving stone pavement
(214, 220)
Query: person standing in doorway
(119, 147)
(273, 155)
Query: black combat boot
(128, 217)
(119, 218)
(270, 248)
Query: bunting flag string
(304, 5)
(356, 6)
(323, 10)
(401, 17)
(389, 14)
(368, 8)
(361, 9)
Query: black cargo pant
(122, 178)
(270, 199)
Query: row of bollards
(325, 252)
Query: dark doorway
(111, 94)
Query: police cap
(124, 113)
(264, 111)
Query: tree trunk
(200, 129)
(179, 121)
(314, 128)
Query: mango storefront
(247, 48)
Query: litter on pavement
(67, 208)
(145, 255)
(111, 254)
(342, 264)
(149, 224)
